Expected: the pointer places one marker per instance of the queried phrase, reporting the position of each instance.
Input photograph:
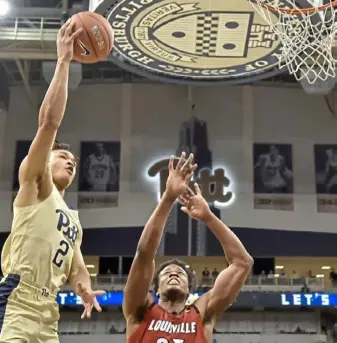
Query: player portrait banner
(21, 151)
(326, 177)
(273, 177)
(98, 185)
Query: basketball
(96, 41)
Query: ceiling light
(4, 7)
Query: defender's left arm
(80, 282)
(230, 281)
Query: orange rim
(309, 10)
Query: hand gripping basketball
(95, 42)
(65, 41)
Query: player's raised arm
(136, 291)
(52, 109)
(232, 278)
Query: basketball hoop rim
(308, 10)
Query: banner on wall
(99, 174)
(273, 177)
(246, 299)
(326, 177)
(21, 151)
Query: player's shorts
(28, 313)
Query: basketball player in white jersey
(100, 170)
(43, 250)
(274, 174)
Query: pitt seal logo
(193, 40)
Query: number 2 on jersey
(175, 340)
(62, 251)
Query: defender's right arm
(136, 291)
(34, 167)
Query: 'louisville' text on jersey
(169, 327)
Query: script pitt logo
(68, 229)
(212, 183)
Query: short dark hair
(181, 264)
(63, 146)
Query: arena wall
(147, 120)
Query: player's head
(63, 165)
(173, 280)
(99, 149)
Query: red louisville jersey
(159, 326)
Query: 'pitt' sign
(211, 182)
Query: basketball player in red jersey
(171, 321)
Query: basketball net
(306, 34)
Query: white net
(307, 36)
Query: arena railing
(253, 283)
(28, 37)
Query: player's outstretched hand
(194, 204)
(89, 300)
(65, 41)
(179, 176)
